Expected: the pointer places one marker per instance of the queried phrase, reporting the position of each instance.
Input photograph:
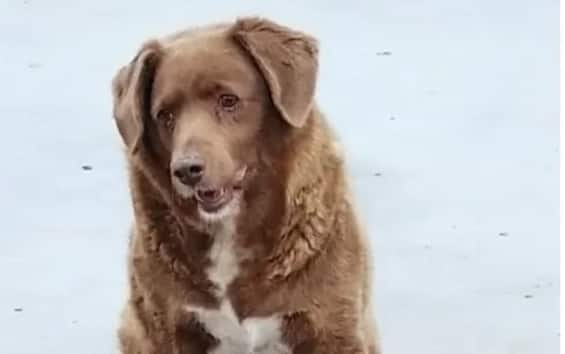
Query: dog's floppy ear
(288, 60)
(131, 89)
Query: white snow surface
(449, 114)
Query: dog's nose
(189, 170)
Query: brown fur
(302, 252)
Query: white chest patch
(224, 262)
(252, 335)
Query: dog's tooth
(240, 174)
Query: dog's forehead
(194, 38)
(205, 54)
(196, 32)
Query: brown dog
(245, 238)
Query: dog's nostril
(210, 194)
(178, 173)
(189, 171)
(195, 170)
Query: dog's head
(207, 106)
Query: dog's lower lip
(201, 195)
(216, 204)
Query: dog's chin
(227, 211)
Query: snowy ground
(449, 110)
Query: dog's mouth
(211, 200)
(215, 202)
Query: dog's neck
(315, 197)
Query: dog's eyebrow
(168, 100)
(206, 86)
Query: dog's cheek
(158, 142)
(249, 136)
(165, 138)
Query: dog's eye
(228, 102)
(166, 117)
(164, 114)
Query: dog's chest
(249, 336)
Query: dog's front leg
(138, 333)
(190, 336)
